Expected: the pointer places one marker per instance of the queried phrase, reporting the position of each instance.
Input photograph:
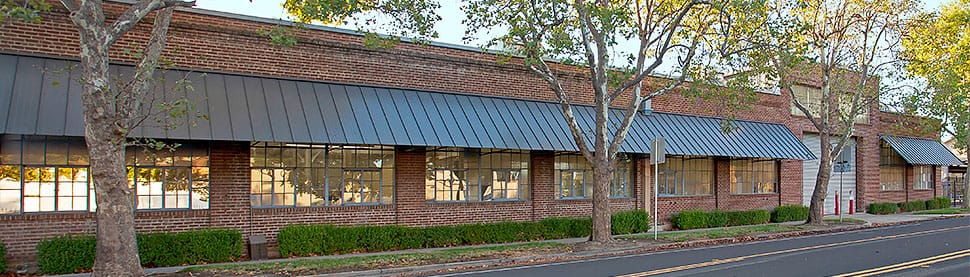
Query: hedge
(65, 254)
(70, 254)
(912, 206)
(882, 208)
(938, 203)
(3, 258)
(789, 213)
(694, 219)
(309, 240)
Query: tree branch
(136, 13)
(142, 81)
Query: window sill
(755, 193)
(687, 195)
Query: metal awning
(921, 151)
(39, 98)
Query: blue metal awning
(921, 151)
(250, 108)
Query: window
(471, 175)
(686, 176)
(811, 98)
(754, 176)
(924, 177)
(167, 179)
(892, 168)
(44, 174)
(574, 178)
(303, 175)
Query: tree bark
(602, 174)
(117, 250)
(816, 210)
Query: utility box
(257, 247)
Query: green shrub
(69, 254)
(65, 254)
(3, 258)
(940, 202)
(882, 208)
(630, 222)
(751, 217)
(555, 228)
(789, 213)
(301, 240)
(192, 247)
(690, 219)
(912, 206)
(718, 218)
(932, 204)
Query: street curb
(593, 254)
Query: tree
(937, 49)
(110, 111)
(848, 45)
(701, 37)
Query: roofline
(72, 59)
(909, 137)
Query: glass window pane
(10, 149)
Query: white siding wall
(810, 171)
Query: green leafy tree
(697, 39)
(937, 49)
(841, 48)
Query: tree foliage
(392, 19)
(841, 48)
(696, 39)
(937, 49)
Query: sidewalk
(871, 220)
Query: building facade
(332, 132)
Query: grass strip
(681, 236)
(844, 220)
(324, 265)
(945, 211)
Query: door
(845, 179)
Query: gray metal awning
(921, 151)
(249, 108)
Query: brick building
(330, 131)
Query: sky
(450, 28)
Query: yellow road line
(908, 265)
(737, 259)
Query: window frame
(330, 162)
(680, 175)
(889, 160)
(921, 183)
(479, 173)
(754, 175)
(577, 163)
(133, 164)
(21, 163)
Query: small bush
(630, 222)
(3, 258)
(912, 206)
(70, 254)
(751, 217)
(65, 254)
(882, 208)
(939, 203)
(932, 204)
(192, 247)
(690, 219)
(789, 213)
(718, 218)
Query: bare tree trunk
(602, 175)
(117, 250)
(816, 210)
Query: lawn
(681, 236)
(945, 211)
(844, 220)
(328, 265)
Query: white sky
(450, 28)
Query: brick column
(229, 204)
(411, 171)
(722, 183)
(542, 169)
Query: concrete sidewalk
(871, 220)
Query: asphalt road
(929, 248)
